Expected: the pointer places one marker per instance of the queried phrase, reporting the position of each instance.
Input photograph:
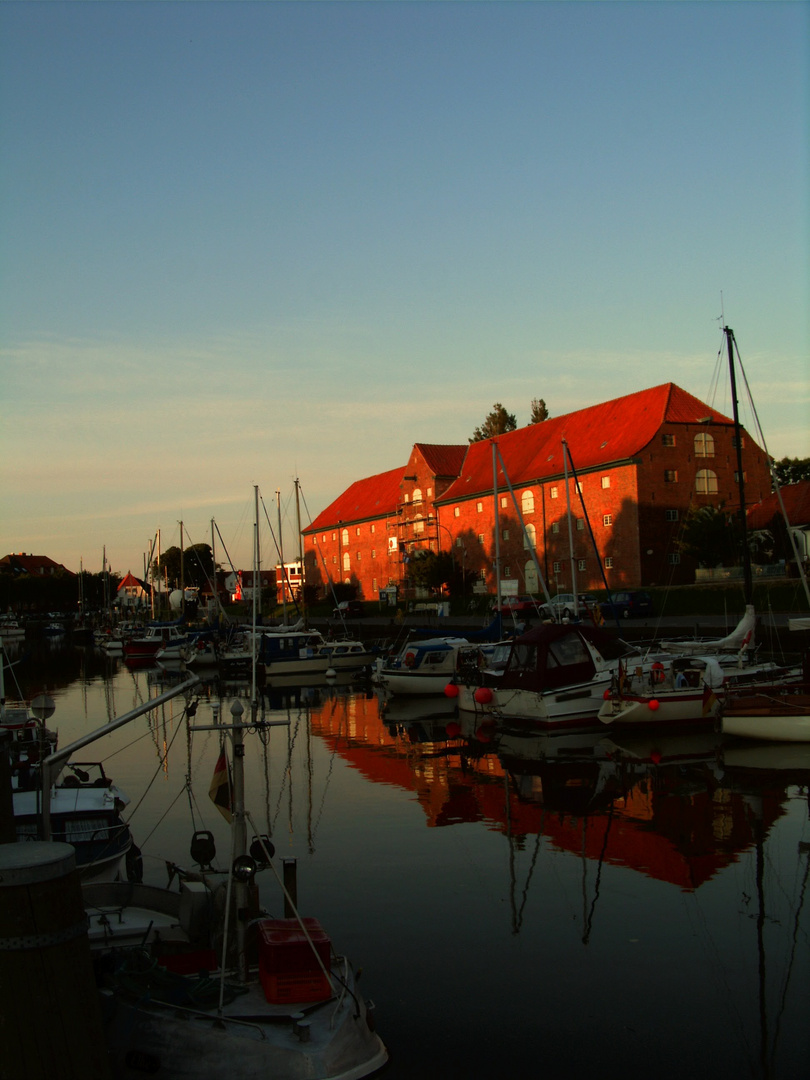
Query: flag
(709, 699)
(220, 790)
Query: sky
(244, 244)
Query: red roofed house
(132, 592)
(796, 500)
(34, 565)
(641, 462)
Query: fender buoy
(409, 659)
(453, 730)
(652, 705)
(451, 690)
(483, 695)
(657, 673)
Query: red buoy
(451, 690)
(655, 757)
(453, 730)
(652, 704)
(483, 695)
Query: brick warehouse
(641, 461)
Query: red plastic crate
(288, 968)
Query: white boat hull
(568, 706)
(770, 728)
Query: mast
(281, 557)
(746, 554)
(300, 549)
(497, 526)
(214, 570)
(256, 580)
(570, 531)
(182, 575)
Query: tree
(792, 470)
(708, 536)
(198, 565)
(433, 571)
(539, 411)
(497, 422)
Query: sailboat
(690, 689)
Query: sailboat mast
(497, 526)
(281, 557)
(256, 580)
(570, 530)
(748, 581)
(300, 549)
(182, 575)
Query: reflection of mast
(517, 913)
(758, 830)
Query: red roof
(373, 497)
(796, 498)
(599, 435)
(22, 563)
(443, 461)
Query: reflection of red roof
(601, 434)
(663, 834)
(796, 498)
(374, 497)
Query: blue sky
(243, 243)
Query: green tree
(497, 422)
(539, 411)
(197, 562)
(433, 571)
(708, 536)
(792, 470)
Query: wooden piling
(50, 1020)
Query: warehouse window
(706, 482)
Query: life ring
(410, 657)
(657, 673)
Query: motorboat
(556, 676)
(308, 652)
(146, 646)
(422, 667)
(85, 811)
(10, 629)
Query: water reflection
(599, 895)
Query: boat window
(523, 658)
(434, 657)
(568, 650)
(89, 828)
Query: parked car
(628, 605)
(521, 605)
(562, 605)
(349, 609)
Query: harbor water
(519, 904)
